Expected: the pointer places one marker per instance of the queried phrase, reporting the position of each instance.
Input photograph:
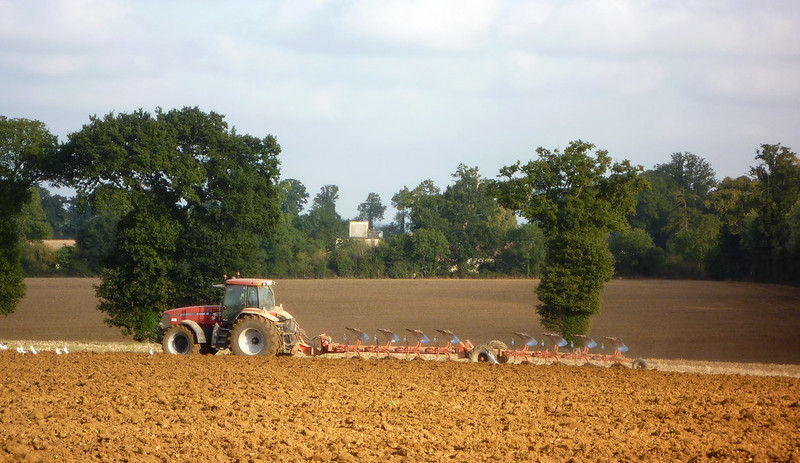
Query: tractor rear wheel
(179, 340)
(253, 335)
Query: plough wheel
(483, 354)
(639, 364)
(316, 343)
(500, 349)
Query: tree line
(171, 201)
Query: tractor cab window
(252, 296)
(267, 297)
(233, 302)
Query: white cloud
(426, 25)
(372, 95)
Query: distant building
(360, 231)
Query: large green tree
(777, 193)
(576, 197)
(733, 202)
(323, 223)
(467, 215)
(26, 148)
(194, 200)
(402, 201)
(293, 196)
(371, 209)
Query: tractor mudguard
(200, 335)
(260, 313)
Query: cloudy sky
(376, 95)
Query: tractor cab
(241, 294)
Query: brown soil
(694, 320)
(136, 407)
(90, 406)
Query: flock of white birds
(32, 350)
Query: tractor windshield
(267, 297)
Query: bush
(38, 259)
(635, 254)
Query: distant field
(694, 320)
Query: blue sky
(376, 95)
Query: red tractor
(247, 322)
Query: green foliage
(38, 259)
(292, 196)
(12, 286)
(194, 201)
(576, 199)
(402, 201)
(578, 264)
(430, 250)
(524, 252)
(96, 240)
(676, 199)
(138, 280)
(769, 234)
(60, 213)
(691, 249)
(289, 249)
(467, 216)
(26, 149)
(396, 252)
(372, 209)
(323, 223)
(635, 253)
(33, 222)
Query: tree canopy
(576, 197)
(372, 209)
(26, 149)
(194, 198)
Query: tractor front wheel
(179, 340)
(254, 335)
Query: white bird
(21, 350)
(66, 351)
(3, 346)
(151, 351)
(34, 351)
(58, 351)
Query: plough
(415, 344)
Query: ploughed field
(132, 406)
(135, 407)
(660, 319)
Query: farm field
(132, 406)
(662, 319)
(136, 407)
